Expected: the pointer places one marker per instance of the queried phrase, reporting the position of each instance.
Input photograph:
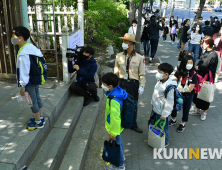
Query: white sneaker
(109, 166)
(203, 116)
(172, 42)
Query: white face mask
(105, 88)
(200, 20)
(125, 46)
(197, 29)
(204, 47)
(189, 66)
(159, 76)
(215, 19)
(134, 25)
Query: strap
(110, 98)
(133, 29)
(211, 77)
(169, 87)
(162, 125)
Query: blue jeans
(33, 91)
(154, 45)
(195, 49)
(119, 142)
(146, 46)
(179, 43)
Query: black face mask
(84, 57)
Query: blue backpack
(128, 111)
(178, 97)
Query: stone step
(52, 148)
(76, 152)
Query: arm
(168, 104)
(193, 35)
(89, 75)
(142, 72)
(161, 28)
(24, 69)
(70, 67)
(116, 67)
(115, 118)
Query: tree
(132, 11)
(139, 25)
(85, 4)
(200, 9)
(173, 7)
(165, 9)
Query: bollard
(177, 18)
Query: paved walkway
(139, 156)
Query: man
(147, 16)
(216, 25)
(86, 68)
(130, 68)
(207, 30)
(133, 28)
(195, 15)
(199, 22)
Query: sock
(182, 123)
(41, 117)
(38, 121)
(174, 120)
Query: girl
(186, 78)
(146, 39)
(182, 54)
(173, 33)
(184, 35)
(165, 32)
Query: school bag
(128, 111)
(178, 97)
(38, 70)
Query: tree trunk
(86, 5)
(139, 26)
(132, 12)
(173, 7)
(151, 4)
(165, 9)
(160, 8)
(200, 9)
(170, 9)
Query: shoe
(34, 125)
(109, 166)
(171, 122)
(180, 128)
(96, 99)
(172, 42)
(136, 129)
(33, 120)
(194, 113)
(87, 100)
(150, 60)
(203, 116)
(166, 144)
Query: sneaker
(96, 99)
(87, 100)
(34, 125)
(172, 42)
(166, 144)
(137, 129)
(194, 113)
(109, 166)
(203, 116)
(33, 120)
(171, 122)
(150, 60)
(180, 128)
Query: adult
(196, 36)
(130, 68)
(218, 43)
(146, 39)
(195, 15)
(86, 69)
(173, 22)
(186, 27)
(179, 36)
(147, 16)
(207, 30)
(216, 25)
(200, 22)
(153, 31)
(208, 62)
(133, 28)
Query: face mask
(14, 41)
(200, 20)
(84, 57)
(171, 19)
(105, 88)
(197, 29)
(204, 47)
(189, 66)
(125, 46)
(215, 19)
(134, 25)
(159, 76)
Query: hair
(166, 68)
(200, 31)
(182, 54)
(185, 21)
(153, 20)
(146, 22)
(200, 17)
(172, 16)
(89, 50)
(134, 21)
(182, 71)
(207, 22)
(208, 40)
(111, 79)
(21, 31)
(215, 17)
(182, 24)
(195, 12)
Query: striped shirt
(195, 39)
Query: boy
(113, 111)
(20, 36)
(161, 106)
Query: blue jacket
(86, 72)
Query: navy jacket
(153, 31)
(207, 30)
(86, 72)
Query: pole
(25, 20)
(189, 9)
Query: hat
(129, 37)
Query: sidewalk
(139, 156)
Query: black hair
(200, 17)
(134, 21)
(207, 22)
(195, 12)
(200, 30)
(182, 24)
(153, 21)
(166, 68)
(182, 54)
(182, 71)
(21, 31)
(111, 79)
(89, 50)
(146, 22)
(215, 17)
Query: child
(179, 36)
(110, 83)
(165, 32)
(182, 54)
(187, 79)
(173, 33)
(19, 37)
(161, 106)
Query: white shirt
(132, 30)
(195, 39)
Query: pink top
(218, 49)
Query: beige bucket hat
(129, 37)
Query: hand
(22, 91)
(112, 138)
(213, 23)
(141, 90)
(76, 67)
(70, 59)
(162, 118)
(196, 67)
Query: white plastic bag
(26, 99)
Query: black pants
(131, 88)
(83, 89)
(164, 37)
(200, 104)
(187, 100)
(172, 36)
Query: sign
(75, 39)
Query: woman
(208, 62)
(186, 27)
(196, 36)
(218, 43)
(146, 39)
(187, 79)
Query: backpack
(178, 97)
(128, 111)
(38, 70)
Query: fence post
(65, 45)
(81, 18)
(25, 16)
